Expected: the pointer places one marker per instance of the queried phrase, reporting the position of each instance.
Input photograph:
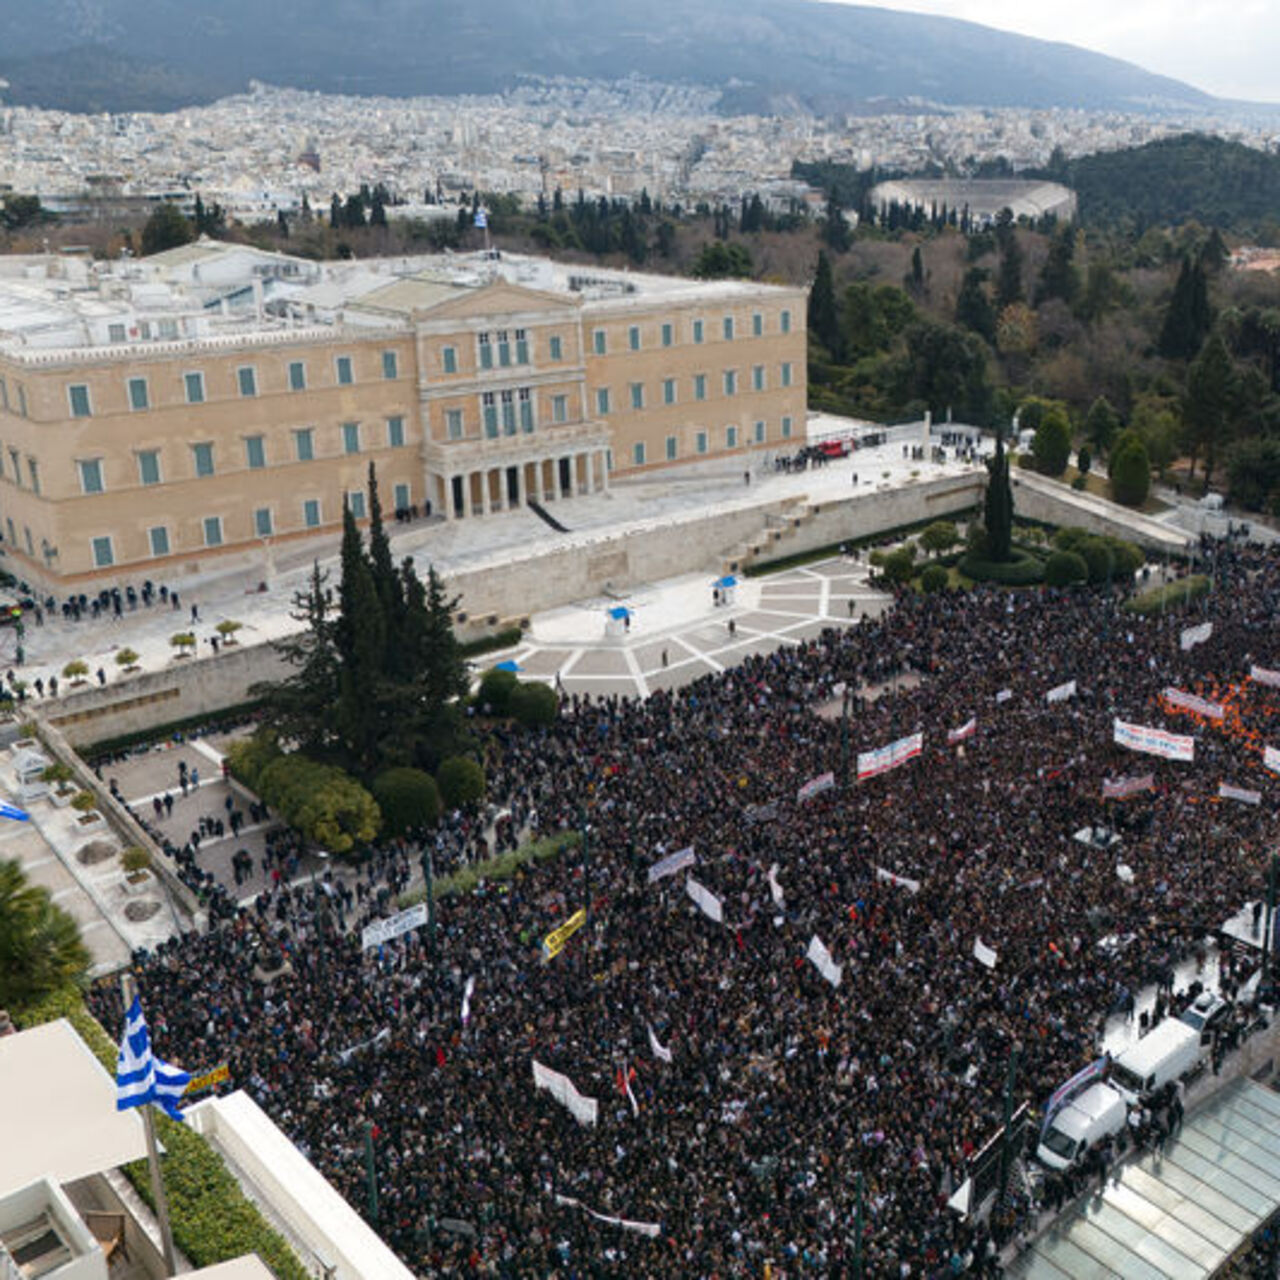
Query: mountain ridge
(126, 55)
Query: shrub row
(1172, 595)
(501, 867)
(211, 1218)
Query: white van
(1170, 1052)
(1086, 1119)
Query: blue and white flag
(140, 1076)
(10, 811)
(482, 218)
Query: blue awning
(509, 665)
(727, 581)
(619, 612)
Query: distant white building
(984, 198)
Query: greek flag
(482, 218)
(141, 1077)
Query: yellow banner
(209, 1079)
(554, 942)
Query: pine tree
(1059, 278)
(1009, 277)
(1189, 318)
(973, 307)
(998, 506)
(1212, 388)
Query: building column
(444, 494)
(536, 487)
(604, 469)
(484, 492)
(588, 467)
(518, 501)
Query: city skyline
(1224, 49)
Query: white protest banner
(650, 1229)
(466, 1000)
(1227, 792)
(561, 1088)
(1155, 742)
(873, 763)
(816, 786)
(775, 889)
(1003, 696)
(374, 1042)
(380, 931)
(912, 886)
(672, 863)
(966, 730)
(1061, 692)
(821, 957)
(662, 1054)
(1122, 788)
(1192, 636)
(1197, 706)
(1260, 675)
(1271, 759)
(708, 902)
(983, 954)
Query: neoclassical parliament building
(163, 414)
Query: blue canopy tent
(722, 589)
(617, 620)
(509, 665)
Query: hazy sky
(1226, 47)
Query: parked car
(1207, 1015)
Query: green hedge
(502, 867)
(1023, 570)
(1172, 595)
(211, 1218)
(507, 639)
(223, 717)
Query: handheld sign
(553, 943)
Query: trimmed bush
(535, 704)
(248, 757)
(408, 798)
(938, 537)
(83, 801)
(1130, 471)
(1128, 556)
(1171, 596)
(76, 671)
(1022, 570)
(328, 806)
(135, 858)
(933, 578)
(1069, 539)
(1080, 483)
(1064, 569)
(899, 565)
(126, 658)
(1097, 555)
(461, 781)
(1084, 460)
(1051, 446)
(494, 693)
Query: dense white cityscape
(266, 149)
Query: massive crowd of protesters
(744, 1148)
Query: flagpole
(128, 990)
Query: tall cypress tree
(1189, 318)
(361, 645)
(824, 319)
(386, 580)
(998, 504)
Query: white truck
(1075, 1127)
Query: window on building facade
(697, 331)
(507, 400)
(699, 386)
(786, 373)
(522, 347)
(401, 497)
(759, 433)
(304, 444)
(116, 332)
(731, 437)
(139, 397)
(453, 423)
(149, 466)
(602, 401)
(449, 359)
(15, 465)
(504, 349)
(395, 432)
(484, 350)
(728, 328)
(555, 347)
(757, 325)
(637, 453)
(4, 395)
(159, 538)
(255, 453)
(786, 428)
(668, 334)
(668, 391)
(671, 448)
(633, 337)
(489, 412)
(104, 555)
(559, 408)
(33, 471)
(247, 380)
(193, 384)
(757, 377)
(700, 442)
(355, 500)
(390, 366)
(311, 513)
(262, 523)
(350, 437)
(342, 368)
(212, 531)
(297, 375)
(90, 475)
(637, 395)
(598, 344)
(78, 395)
(202, 457)
(731, 382)
(784, 321)
(525, 399)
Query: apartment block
(160, 416)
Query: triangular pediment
(498, 299)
